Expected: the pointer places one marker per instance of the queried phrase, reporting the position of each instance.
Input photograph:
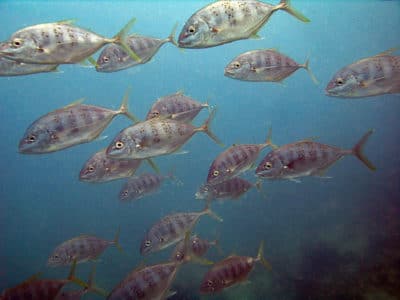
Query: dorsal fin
(76, 102)
(388, 51)
(67, 22)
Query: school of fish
(165, 130)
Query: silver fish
(170, 230)
(155, 137)
(195, 246)
(232, 188)
(372, 76)
(264, 65)
(114, 58)
(80, 249)
(307, 158)
(235, 160)
(68, 126)
(176, 106)
(232, 270)
(10, 67)
(146, 283)
(58, 43)
(100, 168)
(227, 21)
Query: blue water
(335, 238)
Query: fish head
(204, 192)
(149, 244)
(121, 147)
(238, 68)
(195, 33)
(218, 173)
(270, 167)
(211, 284)
(130, 192)
(36, 140)
(93, 170)
(21, 46)
(344, 83)
(111, 59)
(56, 260)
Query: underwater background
(326, 238)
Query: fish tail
(92, 286)
(206, 128)
(153, 165)
(358, 150)
(209, 212)
(260, 257)
(268, 141)
(71, 276)
(307, 67)
(285, 5)
(116, 240)
(171, 37)
(124, 107)
(120, 39)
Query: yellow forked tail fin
(260, 257)
(285, 5)
(120, 39)
(357, 150)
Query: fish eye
(339, 80)
(91, 169)
(31, 138)
(16, 43)
(125, 194)
(56, 256)
(191, 29)
(147, 243)
(236, 65)
(155, 113)
(119, 145)
(215, 173)
(106, 59)
(209, 283)
(268, 165)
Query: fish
(171, 229)
(264, 65)
(230, 271)
(235, 160)
(177, 107)
(100, 168)
(232, 188)
(195, 247)
(80, 249)
(372, 76)
(10, 67)
(146, 283)
(59, 43)
(40, 289)
(139, 186)
(226, 21)
(307, 158)
(154, 137)
(114, 58)
(68, 126)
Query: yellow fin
(260, 257)
(124, 107)
(76, 102)
(388, 51)
(67, 22)
(120, 39)
(153, 165)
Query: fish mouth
(228, 72)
